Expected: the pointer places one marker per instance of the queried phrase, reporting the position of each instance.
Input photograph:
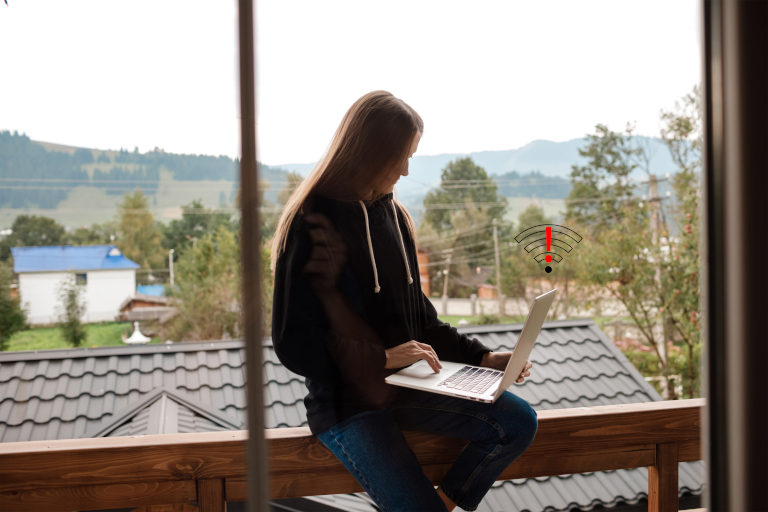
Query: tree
(31, 231)
(140, 237)
(97, 234)
(208, 289)
(82, 156)
(27, 162)
(462, 182)
(12, 317)
(292, 180)
(196, 221)
(652, 273)
(71, 311)
(681, 131)
(618, 257)
(602, 186)
(458, 222)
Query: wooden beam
(176, 507)
(662, 480)
(689, 451)
(568, 441)
(96, 497)
(46, 464)
(210, 495)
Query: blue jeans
(373, 449)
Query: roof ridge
(132, 409)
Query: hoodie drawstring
(402, 244)
(370, 247)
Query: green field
(107, 334)
(553, 208)
(89, 205)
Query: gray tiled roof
(64, 394)
(576, 365)
(61, 394)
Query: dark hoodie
(346, 376)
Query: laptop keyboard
(471, 379)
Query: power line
(174, 182)
(459, 206)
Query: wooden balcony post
(662, 480)
(210, 495)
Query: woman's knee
(520, 419)
(530, 422)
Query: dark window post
(734, 248)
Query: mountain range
(79, 185)
(551, 159)
(548, 157)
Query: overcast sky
(486, 75)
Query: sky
(488, 75)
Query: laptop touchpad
(419, 369)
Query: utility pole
(654, 205)
(445, 282)
(170, 263)
(498, 266)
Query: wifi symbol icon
(544, 237)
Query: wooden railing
(210, 468)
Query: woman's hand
(499, 360)
(329, 253)
(410, 352)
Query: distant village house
(106, 276)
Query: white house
(107, 278)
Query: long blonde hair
(374, 136)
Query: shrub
(71, 312)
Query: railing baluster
(662, 480)
(210, 495)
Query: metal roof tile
(574, 366)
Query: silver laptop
(475, 382)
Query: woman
(349, 311)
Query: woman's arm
(446, 340)
(353, 344)
(299, 327)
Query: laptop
(475, 382)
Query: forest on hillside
(35, 177)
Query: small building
(146, 307)
(106, 276)
(423, 259)
(486, 291)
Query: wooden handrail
(208, 468)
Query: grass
(475, 320)
(107, 334)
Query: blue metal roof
(155, 290)
(59, 258)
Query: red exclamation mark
(548, 257)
